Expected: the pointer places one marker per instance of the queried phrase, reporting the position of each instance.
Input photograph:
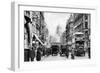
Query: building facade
(78, 23)
(36, 25)
(69, 29)
(63, 38)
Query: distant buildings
(63, 38)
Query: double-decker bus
(79, 44)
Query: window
(86, 25)
(86, 17)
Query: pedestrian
(89, 53)
(72, 54)
(67, 53)
(38, 56)
(26, 47)
(32, 53)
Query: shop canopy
(37, 38)
(76, 33)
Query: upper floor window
(86, 25)
(86, 17)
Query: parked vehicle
(55, 50)
(48, 51)
(64, 51)
(79, 48)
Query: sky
(54, 19)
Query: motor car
(55, 50)
(79, 44)
(80, 52)
(64, 51)
(48, 51)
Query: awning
(78, 33)
(38, 39)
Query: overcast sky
(54, 19)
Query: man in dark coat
(32, 54)
(89, 53)
(38, 56)
(72, 54)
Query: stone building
(78, 22)
(82, 24)
(69, 29)
(36, 25)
